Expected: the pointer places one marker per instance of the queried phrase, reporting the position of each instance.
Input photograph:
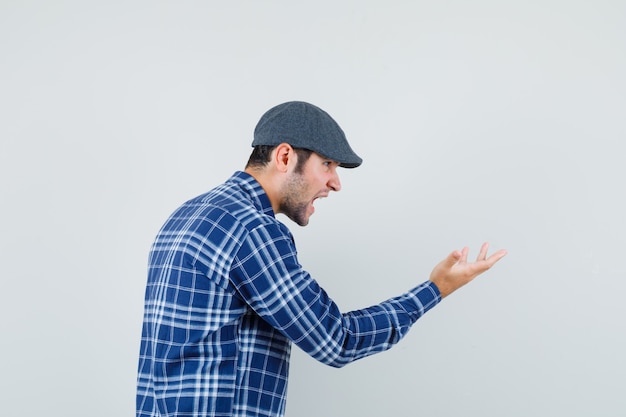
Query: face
(318, 178)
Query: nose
(334, 183)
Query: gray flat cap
(303, 125)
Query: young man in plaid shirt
(226, 296)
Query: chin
(300, 217)
(300, 221)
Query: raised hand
(454, 271)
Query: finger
(496, 257)
(453, 258)
(464, 253)
(483, 252)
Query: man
(226, 295)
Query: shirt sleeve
(268, 276)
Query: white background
(499, 121)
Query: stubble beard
(292, 204)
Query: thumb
(452, 259)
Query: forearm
(339, 339)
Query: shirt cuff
(427, 295)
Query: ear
(283, 157)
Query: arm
(273, 283)
(269, 278)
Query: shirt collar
(253, 189)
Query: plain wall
(477, 121)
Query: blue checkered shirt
(225, 298)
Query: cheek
(320, 182)
(322, 176)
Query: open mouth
(315, 199)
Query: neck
(269, 184)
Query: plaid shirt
(225, 298)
